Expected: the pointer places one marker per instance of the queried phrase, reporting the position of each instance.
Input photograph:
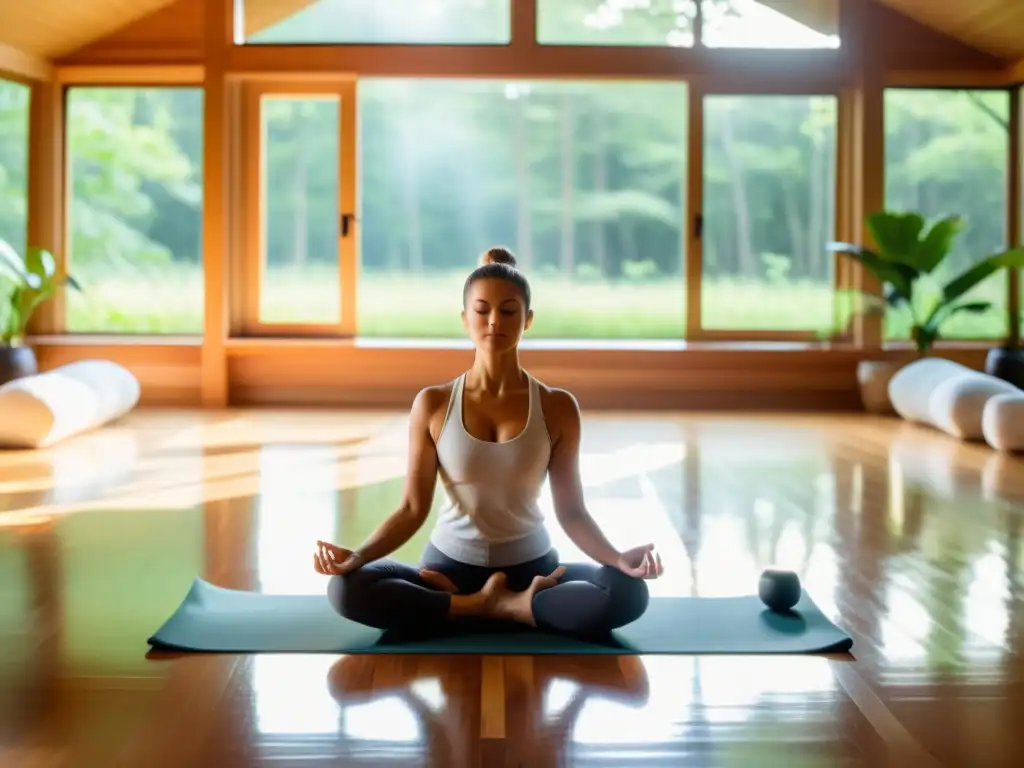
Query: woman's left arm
(563, 413)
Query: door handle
(346, 223)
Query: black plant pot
(16, 362)
(1006, 363)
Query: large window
(135, 221)
(770, 23)
(298, 245)
(598, 22)
(584, 181)
(947, 152)
(671, 23)
(14, 117)
(410, 22)
(299, 199)
(653, 23)
(769, 210)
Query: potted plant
(1007, 362)
(907, 251)
(25, 283)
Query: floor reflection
(717, 707)
(426, 710)
(441, 703)
(297, 505)
(909, 540)
(31, 626)
(652, 711)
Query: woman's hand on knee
(332, 560)
(641, 562)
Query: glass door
(765, 207)
(299, 181)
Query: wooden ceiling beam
(19, 65)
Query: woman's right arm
(420, 482)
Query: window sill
(568, 345)
(113, 340)
(547, 345)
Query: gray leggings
(588, 601)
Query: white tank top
(492, 517)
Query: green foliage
(25, 283)
(908, 251)
(14, 109)
(133, 165)
(585, 180)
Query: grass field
(169, 301)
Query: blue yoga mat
(214, 619)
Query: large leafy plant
(25, 283)
(908, 251)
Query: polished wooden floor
(908, 539)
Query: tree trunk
(790, 204)
(747, 263)
(300, 187)
(600, 186)
(524, 218)
(568, 228)
(411, 199)
(817, 259)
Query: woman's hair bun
(498, 256)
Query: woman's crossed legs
(577, 599)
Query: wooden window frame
(247, 253)
(216, 369)
(969, 81)
(298, 68)
(51, 319)
(700, 89)
(1014, 210)
(249, 249)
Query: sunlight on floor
(296, 506)
(290, 695)
(715, 690)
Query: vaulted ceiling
(54, 28)
(993, 26)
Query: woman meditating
(493, 435)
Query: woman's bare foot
(480, 603)
(495, 600)
(475, 604)
(505, 604)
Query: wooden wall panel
(729, 379)
(171, 34)
(901, 43)
(996, 26)
(168, 373)
(326, 374)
